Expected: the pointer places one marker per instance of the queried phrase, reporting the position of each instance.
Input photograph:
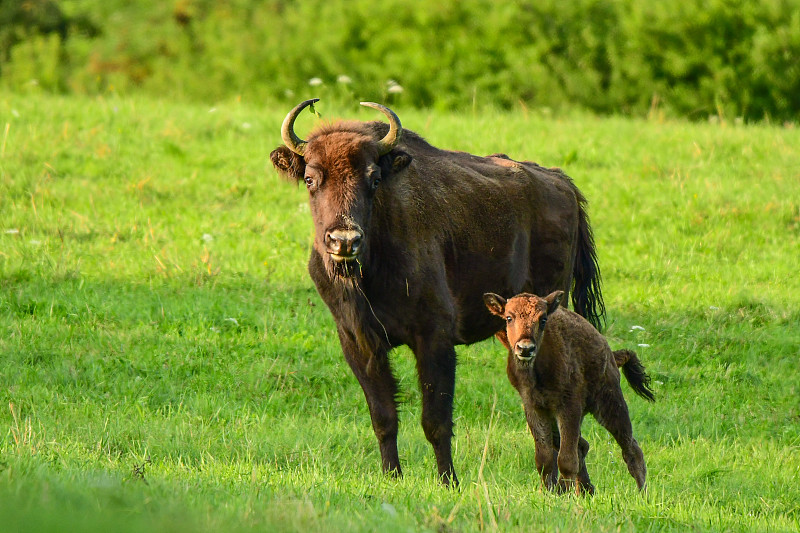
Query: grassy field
(166, 363)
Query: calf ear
(289, 165)
(394, 162)
(495, 303)
(553, 299)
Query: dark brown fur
(563, 368)
(439, 229)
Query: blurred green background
(728, 58)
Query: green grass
(166, 363)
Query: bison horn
(386, 144)
(290, 138)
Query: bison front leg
(569, 455)
(583, 473)
(545, 445)
(436, 368)
(375, 376)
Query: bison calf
(562, 372)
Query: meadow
(166, 363)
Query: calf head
(526, 317)
(343, 166)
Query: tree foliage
(695, 58)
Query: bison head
(525, 316)
(343, 166)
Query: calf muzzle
(525, 349)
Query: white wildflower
(315, 82)
(246, 125)
(208, 237)
(644, 345)
(344, 79)
(12, 231)
(637, 328)
(389, 509)
(393, 87)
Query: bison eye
(375, 183)
(309, 181)
(509, 320)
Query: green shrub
(698, 58)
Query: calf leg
(613, 415)
(436, 368)
(380, 389)
(583, 473)
(569, 461)
(545, 442)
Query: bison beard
(425, 233)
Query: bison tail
(587, 298)
(634, 372)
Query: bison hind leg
(612, 414)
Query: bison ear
(553, 299)
(289, 165)
(394, 162)
(495, 303)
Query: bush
(729, 57)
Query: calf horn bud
(290, 139)
(386, 144)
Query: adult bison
(409, 238)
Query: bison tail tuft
(634, 372)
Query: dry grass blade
(22, 434)
(481, 480)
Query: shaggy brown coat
(563, 368)
(408, 241)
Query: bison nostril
(332, 242)
(355, 244)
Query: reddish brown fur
(563, 368)
(439, 229)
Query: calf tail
(587, 298)
(634, 372)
